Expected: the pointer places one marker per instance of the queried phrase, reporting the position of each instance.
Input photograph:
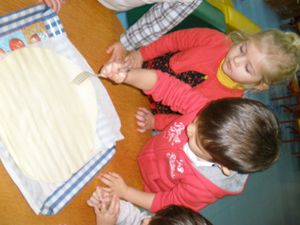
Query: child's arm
(188, 194)
(161, 121)
(158, 20)
(182, 40)
(140, 78)
(116, 185)
(173, 42)
(162, 87)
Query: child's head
(259, 60)
(177, 215)
(238, 134)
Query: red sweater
(198, 49)
(165, 168)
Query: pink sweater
(165, 168)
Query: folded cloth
(39, 26)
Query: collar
(196, 161)
(225, 80)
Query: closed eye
(247, 69)
(243, 48)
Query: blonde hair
(282, 50)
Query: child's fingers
(100, 193)
(97, 210)
(114, 205)
(54, 5)
(140, 113)
(103, 207)
(95, 196)
(106, 181)
(120, 78)
(110, 49)
(89, 203)
(57, 5)
(108, 190)
(104, 194)
(114, 175)
(110, 175)
(143, 111)
(128, 62)
(106, 178)
(92, 202)
(94, 205)
(141, 130)
(106, 69)
(140, 119)
(140, 124)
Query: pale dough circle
(47, 123)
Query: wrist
(126, 193)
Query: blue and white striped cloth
(62, 195)
(20, 19)
(50, 198)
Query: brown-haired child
(201, 156)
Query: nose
(239, 59)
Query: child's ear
(146, 221)
(225, 171)
(262, 86)
(191, 129)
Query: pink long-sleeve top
(165, 167)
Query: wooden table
(91, 28)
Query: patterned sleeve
(130, 214)
(160, 19)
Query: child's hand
(117, 51)
(144, 120)
(115, 183)
(108, 214)
(99, 196)
(134, 60)
(114, 71)
(55, 5)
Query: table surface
(91, 28)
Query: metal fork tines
(82, 77)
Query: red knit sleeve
(161, 121)
(179, 96)
(181, 40)
(194, 197)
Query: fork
(82, 77)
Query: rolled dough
(47, 123)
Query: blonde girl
(217, 65)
